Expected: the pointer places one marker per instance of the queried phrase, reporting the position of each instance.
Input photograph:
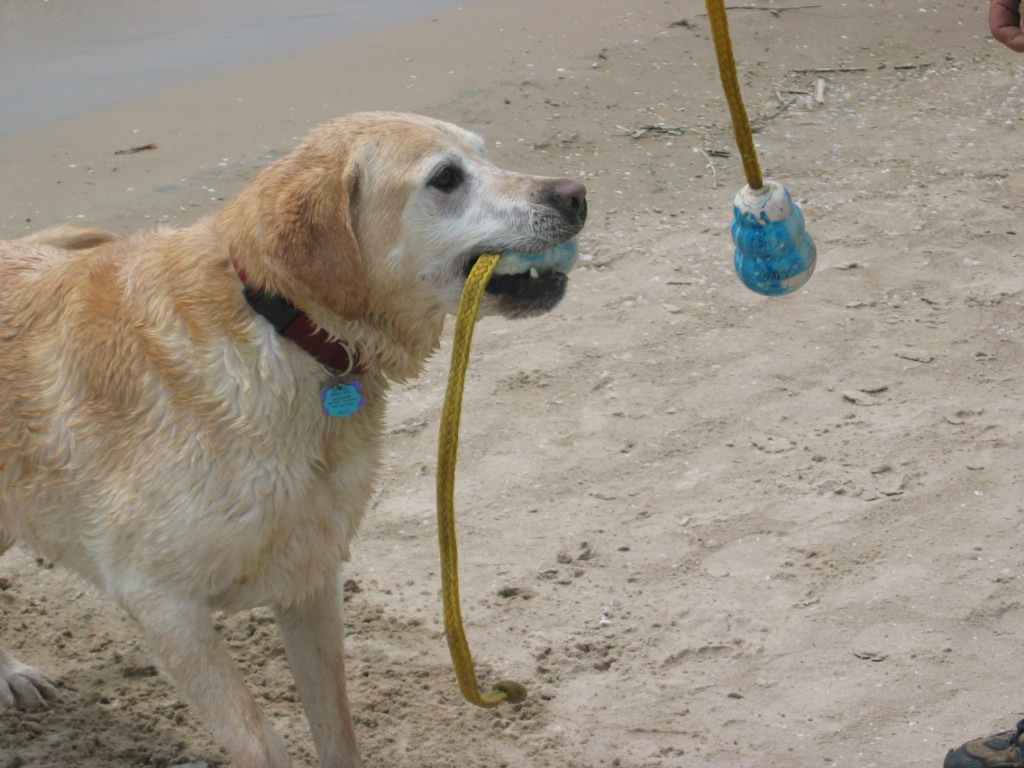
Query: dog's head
(383, 212)
(460, 206)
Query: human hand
(1004, 21)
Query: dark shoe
(1003, 750)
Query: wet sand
(62, 58)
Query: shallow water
(60, 58)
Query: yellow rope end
(514, 692)
(503, 692)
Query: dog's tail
(71, 237)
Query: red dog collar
(292, 323)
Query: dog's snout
(570, 194)
(569, 198)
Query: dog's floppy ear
(313, 239)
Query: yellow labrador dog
(162, 421)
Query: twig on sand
(832, 70)
(773, 11)
(823, 70)
(711, 165)
(133, 150)
(760, 120)
(819, 90)
(643, 130)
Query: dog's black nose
(570, 197)
(570, 194)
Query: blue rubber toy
(561, 258)
(775, 255)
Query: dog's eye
(447, 178)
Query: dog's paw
(25, 687)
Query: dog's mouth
(532, 291)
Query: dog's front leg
(182, 636)
(313, 640)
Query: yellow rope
(448, 440)
(448, 446)
(731, 86)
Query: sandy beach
(704, 527)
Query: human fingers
(1004, 21)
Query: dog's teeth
(534, 273)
